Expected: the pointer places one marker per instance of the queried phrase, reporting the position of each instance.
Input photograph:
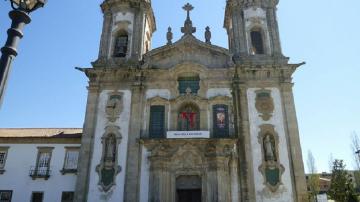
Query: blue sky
(45, 90)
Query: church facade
(190, 121)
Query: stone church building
(186, 122)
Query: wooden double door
(188, 195)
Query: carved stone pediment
(158, 99)
(188, 49)
(188, 97)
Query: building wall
(285, 191)
(20, 158)
(117, 192)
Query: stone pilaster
(274, 32)
(238, 29)
(223, 178)
(132, 181)
(87, 145)
(211, 184)
(106, 35)
(294, 146)
(138, 35)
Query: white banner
(188, 134)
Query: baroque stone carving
(188, 26)
(108, 167)
(264, 104)
(271, 167)
(114, 106)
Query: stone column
(87, 145)
(294, 146)
(132, 183)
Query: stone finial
(188, 28)
(207, 35)
(169, 36)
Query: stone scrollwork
(108, 167)
(271, 167)
(264, 104)
(114, 106)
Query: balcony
(40, 172)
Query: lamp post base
(9, 51)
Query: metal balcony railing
(40, 172)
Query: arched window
(257, 42)
(189, 118)
(121, 44)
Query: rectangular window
(157, 121)
(5, 196)
(221, 121)
(42, 167)
(189, 85)
(71, 160)
(67, 196)
(37, 197)
(3, 156)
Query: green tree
(341, 189)
(313, 178)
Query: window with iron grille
(157, 121)
(42, 167)
(189, 84)
(5, 195)
(37, 197)
(221, 121)
(67, 196)
(121, 45)
(3, 156)
(257, 42)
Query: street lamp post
(20, 17)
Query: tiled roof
(40, 132)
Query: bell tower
(127, 31)
(253, 29)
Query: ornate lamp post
(20, 17)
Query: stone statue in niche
(108, 167)
(114, 106)
(271, 167)
(264, 104)
(269, 148)
(110, 150)
(169, 36)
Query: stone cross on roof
(188, 7)
(188, 28)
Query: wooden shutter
(157, 121)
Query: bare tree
(355, 146)
(313, 177)
(311, 163)
(331, 162)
